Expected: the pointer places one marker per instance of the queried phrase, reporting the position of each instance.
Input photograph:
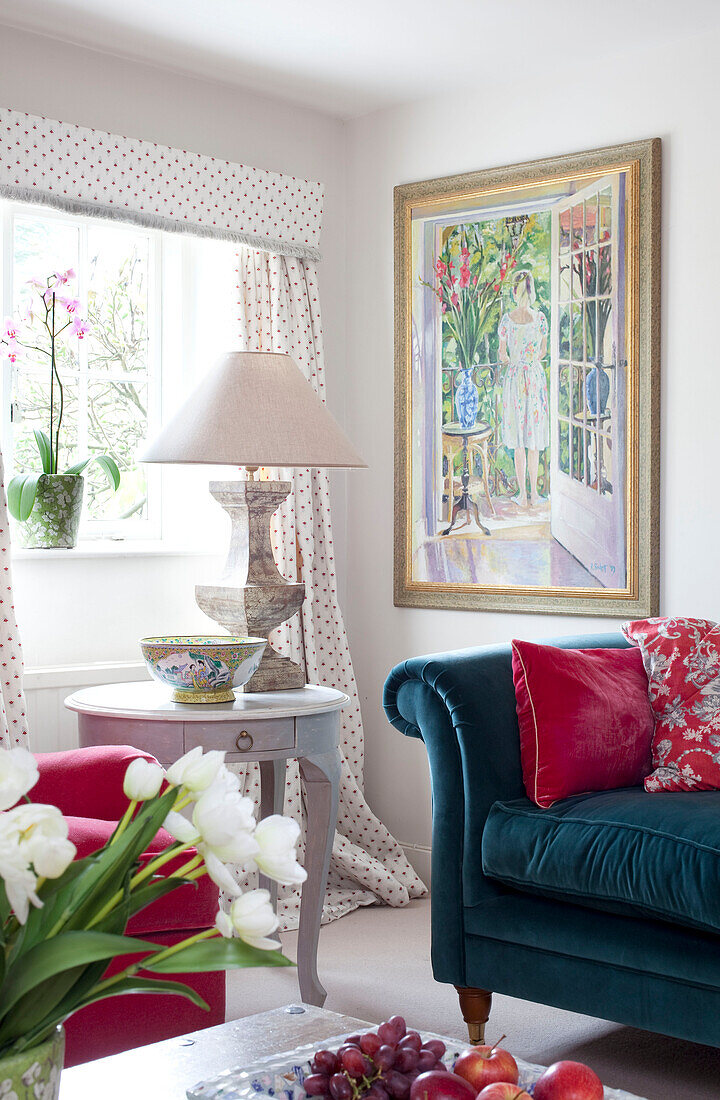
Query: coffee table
(163, 1071)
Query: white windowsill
(119, 548)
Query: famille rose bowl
(203, 668)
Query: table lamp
(255, 409)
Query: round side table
(271, 728)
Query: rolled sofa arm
(86, 782)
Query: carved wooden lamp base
(252, 597)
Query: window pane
(41, 246)
(577, 226)
(118, 262)
(590, 272)
(564, 392)
(605, 271)
(564, 332)
(605, 214)
(117, 425)
(32, 410)
(564, 446)
(590, 330)
(578, 457)
(577, 331)
(590, 219)
(564, 230)
(564, 281)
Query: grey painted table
(270, 728)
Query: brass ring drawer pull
(244, 741)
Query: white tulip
(18, 774)
(18, 879)
(220, 874)
(225, 822)
(277, 838)
(195, 771)
(143, 779)
(252, 918)
(179, 827)
(41, 835)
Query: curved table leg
(272, 796)
(321, 774)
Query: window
(110, 379)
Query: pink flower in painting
(79, 328)
(475, 280)
(454, 299)
(444, 307)
(464, 276)
(441, 268)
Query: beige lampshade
(254, 409)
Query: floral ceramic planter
(35, 1072)
(55, 518)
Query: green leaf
(45, 448)
(21, 494)
(105, 462)
(156, 888)
(57, 955)
(215, 954)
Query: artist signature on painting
(599, 567)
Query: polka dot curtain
(92, 172)
(13, 719)
(279, 310)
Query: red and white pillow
(682, 662)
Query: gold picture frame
(527, 386)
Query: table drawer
(259, 735)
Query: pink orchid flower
(72, 305)
(10, 331)
(79, 328)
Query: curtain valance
(92, 172)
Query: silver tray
(281, 1076)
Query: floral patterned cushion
(682, 661)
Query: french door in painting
(588, 404)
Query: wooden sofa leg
(475, 1006)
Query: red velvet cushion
(188, 907)
(585, 719)
(85, 782)
(682, 661)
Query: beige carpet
(376, 961)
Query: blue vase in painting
(597, 390)
(467, 400)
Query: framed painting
(527, 386)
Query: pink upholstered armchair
(87, 786)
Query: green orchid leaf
(56, 956)
(21, 493)
(106, 463)
(215, 954)
(44, 446)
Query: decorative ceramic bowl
(203, 669)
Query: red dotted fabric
(68, 164)
(13, 712)
(279, 310)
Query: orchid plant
(62, 920)
(58, 315)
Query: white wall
(78, 610)
(669, 93)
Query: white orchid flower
(18, 774)
(41, 835)
(143, 779)
(251, 918)
(277, 837)
(196, 771)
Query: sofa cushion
(682, 661)
(585, 719)
(188, 907)
(625, 851)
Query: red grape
(392, 1030)
(436, 1046)
(324, 1062)
(315, 1084)
(384, 1057)
(370, 1043)
(340, 1087)
(353, 1040)
(376, 1091)
(398, 1022)
(355, 1063)
(396, 1084)
(406, 1059)
(411, 1039)
(346, 1046)
(426, 1060)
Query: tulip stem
(189, 866)
(123, 824)
(152, 866)
(146, 964)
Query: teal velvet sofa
(606, 904)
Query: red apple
(434, 1085)
(569, 1081)
(482, 1065)
(503, 1090)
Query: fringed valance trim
(156, 221)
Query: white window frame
(131, 531)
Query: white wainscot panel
(52, 727)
